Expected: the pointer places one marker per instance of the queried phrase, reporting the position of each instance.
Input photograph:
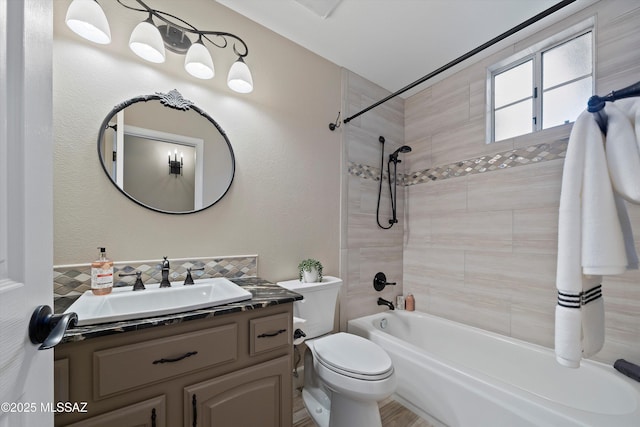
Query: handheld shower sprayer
(393, 158)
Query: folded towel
(568, 336)
(579, 328)
(623, 153)
(590, 237)
(590, 243)
(623, 159)
(627, 233)
(592, 322)
(627, 368)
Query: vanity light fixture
(159, 31)
(175, 165)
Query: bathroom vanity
(227, 365)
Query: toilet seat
(353, 356)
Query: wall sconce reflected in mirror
(175, 165)
(162, 30)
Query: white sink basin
(126, 304)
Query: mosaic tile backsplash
(506, 159)
(73, 280)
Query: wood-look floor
(393, 414)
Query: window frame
(534, 53)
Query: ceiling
(396, 42)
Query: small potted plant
(310, 271)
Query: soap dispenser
(102, 274)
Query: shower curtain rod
(458, 60)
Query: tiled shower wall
(481, 247)
(365, 248)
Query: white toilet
(344, 375)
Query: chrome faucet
(382, 301)
(165, 274)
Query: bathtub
(456, 375)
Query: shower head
(394, 157)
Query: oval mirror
(166, 154)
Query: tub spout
(382, 301)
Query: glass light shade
(198, 62)
(87, 19)
(146, 42)
(239, 78)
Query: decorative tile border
(370, 172)
(506, 159)
(74, 280)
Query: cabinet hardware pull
(194, 402)
(176, 359)
(265, 335)
(153, 417)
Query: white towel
(623, 153)
(623, 158)
(590, 243)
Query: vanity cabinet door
(150, 413)
(256, 396)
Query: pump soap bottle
(102, 274)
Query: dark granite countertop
(263, 293)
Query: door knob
(47, 329)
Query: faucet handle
(380, 281)
(138, 286)
(189, 279)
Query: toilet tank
(318, 306)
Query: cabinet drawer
(269, 333)
(132, 366)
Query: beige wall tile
(535, 230)
(434, 267)
(472, 308)
(459, 143)
(473, 230)
(533, 323)
(420, 157)
(531, 186)
(438, 197)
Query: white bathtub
(460, 376)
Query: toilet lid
(353, 356)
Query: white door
(26, 207)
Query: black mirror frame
(172, 99)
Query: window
(539, 90)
